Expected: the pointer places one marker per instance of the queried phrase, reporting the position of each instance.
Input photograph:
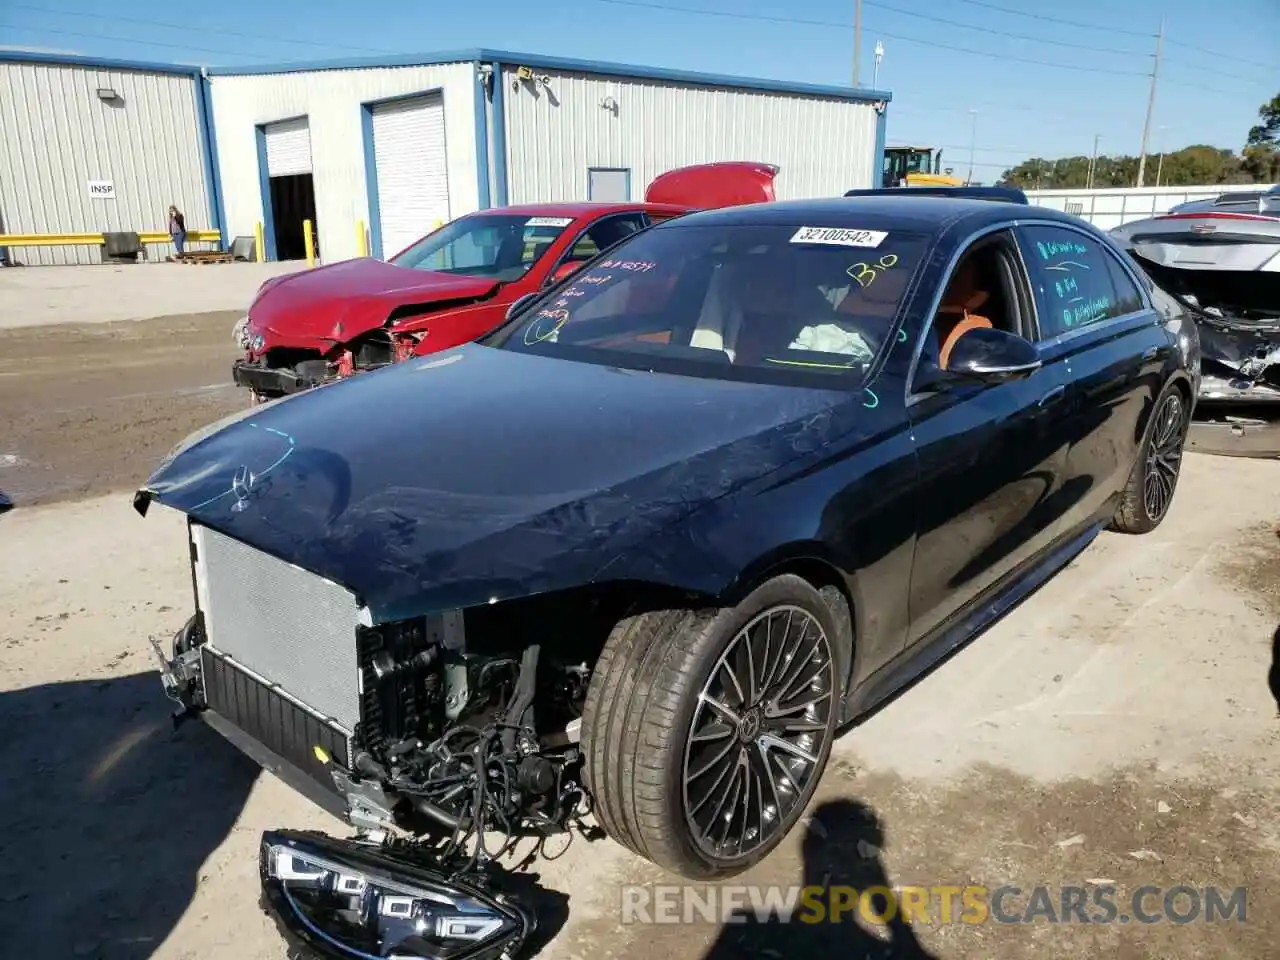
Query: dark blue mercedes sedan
(644, 549)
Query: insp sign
(102, 189)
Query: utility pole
(1160, 163)
(1093, 161)
(857, 40)
(1151, 103)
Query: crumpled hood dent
(319, 308)
(524, 475)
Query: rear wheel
(1149, 492)
(706, 732)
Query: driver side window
(980, 292)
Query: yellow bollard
(361, 249)
(309, 242)
(259, 245)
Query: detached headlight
(240, 332)
(351, 900)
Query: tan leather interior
(955, 316)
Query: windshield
(779, 304)
(499, 247)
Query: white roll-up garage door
(413, 171)
(288, 147)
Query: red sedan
(454, 284)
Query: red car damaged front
(455, 284)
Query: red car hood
(316, 308)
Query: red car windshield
(498, 247)
(805, 305)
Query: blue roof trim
(371, 181)
(877, 171)
(501, 186)
(860, 94)
(99, 63)
(212, 174)
(482, 138)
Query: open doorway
(293, 200)
(288, 188)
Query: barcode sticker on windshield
(839, 236)
(548, 221)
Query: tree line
(1199, 164)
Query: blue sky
(1042, 77)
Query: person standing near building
(177, 229)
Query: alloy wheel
(1164, 456)
(760, 732)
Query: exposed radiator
(290, 627)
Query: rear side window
(1077, 281)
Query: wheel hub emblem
(750, 726)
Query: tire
(1149, 492)
(645, 697)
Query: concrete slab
(33, 296)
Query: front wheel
(706, 731)
(1149, 493)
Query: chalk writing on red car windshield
(635, 266)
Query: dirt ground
(93, 407)
(1115, 729)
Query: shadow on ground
(110, 814)
(841, 848)
(1273, 677)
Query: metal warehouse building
(376, 152)
(92, 146)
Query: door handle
(1053, 396)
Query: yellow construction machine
(916, 167)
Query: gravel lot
(1116, 726)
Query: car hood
(317, 308)
(478, 473)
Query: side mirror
(518, 304)
(993, 356)
(564, 270)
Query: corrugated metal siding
(823, 147)
(331, 100)
(56, 136)
(1109, 207)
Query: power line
(147, 43)
(1196, 84)
(1066, 23)
(193, 29)
(1003, 33)
(671, 8)
(1224, 56)
(1222, 73)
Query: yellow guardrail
(96, 239)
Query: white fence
(1109, 207)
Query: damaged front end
(454, 729)
(345, 899)
(282, 371)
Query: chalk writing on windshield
(596, 278)
(866, 273)
(635, 266)
(546, 324)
